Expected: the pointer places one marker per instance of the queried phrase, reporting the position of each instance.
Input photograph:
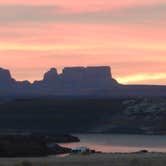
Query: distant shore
(104, 159)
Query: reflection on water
(120, 143)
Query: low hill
(133, 116)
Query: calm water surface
(120, 143)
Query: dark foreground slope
(60, 116)
(56, 115)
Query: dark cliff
(72, 81)
(77, 82)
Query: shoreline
(98, 159)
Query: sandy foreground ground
(148, 159)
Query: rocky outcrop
(10, 87)
(5, 78)
(24, 145)
(29, 148)
(92, 78)
(76, 81)
(51, 75)
(137, 116)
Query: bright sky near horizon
(129, 36)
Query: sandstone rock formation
(75, 81)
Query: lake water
(120, 143)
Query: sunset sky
(129, 36)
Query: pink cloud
(126, 46)
(80, 6)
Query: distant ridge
(75, 81)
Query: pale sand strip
(148, 159)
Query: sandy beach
(111, 159)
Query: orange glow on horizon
(133, 79)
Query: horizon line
(124, 80)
